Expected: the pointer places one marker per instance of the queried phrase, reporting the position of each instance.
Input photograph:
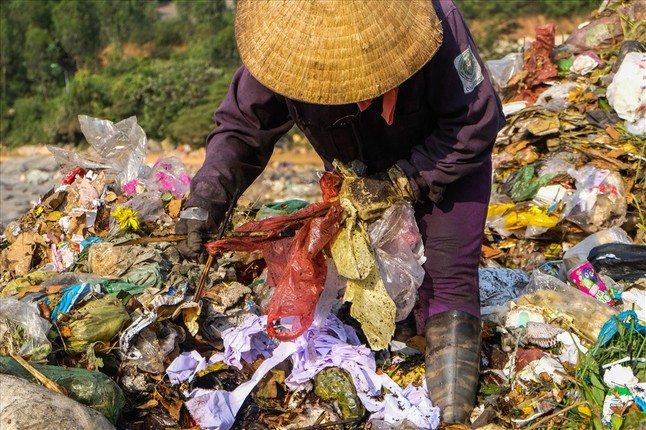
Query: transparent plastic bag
(154, 347)
(566, 304)
(168, 175)
(23, 330)
(557, 98)
(540, 280)
(399, 252)
(502, 70)
(598, 202)
(148, 207)
(581, 250)
(119, 148)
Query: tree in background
(53, 68)
(126, 21)
(507, 9)
(77, 29)
(15, 22)
(41, 57)
(208, 29)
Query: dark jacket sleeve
(466, 111)
(249, 121)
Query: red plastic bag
(296, 265)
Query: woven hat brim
(335, 51)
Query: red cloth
(388, 105)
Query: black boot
(453, 341)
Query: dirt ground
(192, 159)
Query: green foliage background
(62, 58)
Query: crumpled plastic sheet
(499, 285)
(71, 295)
(627, 95)
(610, 328)
(171, 297)
(35, 328)
(598, 202)
(168, 175)
(295, 265)
(399, 252)
(120, 147)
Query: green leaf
(603, 104)
(489, 389)
(633, 420)
(596, 383)
(598, 396)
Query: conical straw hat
(335, 51)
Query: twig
(39, 376)
(549, 417)
(209, 260)
(61, 335)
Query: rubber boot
(453, 341)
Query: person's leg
(449, 298)
(452, 232)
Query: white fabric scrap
(333, 345)
(185, 367)
(245, 342)
(217, 409)
(411, 404)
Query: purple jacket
(446, 119)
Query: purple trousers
(453, 231)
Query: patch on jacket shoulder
(469, 70)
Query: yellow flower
(127, 218)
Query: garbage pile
(299, 319)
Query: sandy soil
(192, 159)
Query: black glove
(198, 226)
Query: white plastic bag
(399, 252)
(598, 202)
(627, 92)
(502, 70)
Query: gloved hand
(198, 225)
(372, 195)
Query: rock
(37, 177)
(24, 405)
(23, 181)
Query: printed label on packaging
(586, 278)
